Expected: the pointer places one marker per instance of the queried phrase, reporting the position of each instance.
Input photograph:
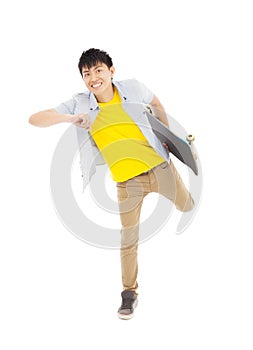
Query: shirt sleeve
(146, 94)
(66, 107)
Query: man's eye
(99, 70)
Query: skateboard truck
(190, 138)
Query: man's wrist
(68, 118)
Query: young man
(111, 121)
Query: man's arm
(159, 111)
(51, 117)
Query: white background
(195, 289)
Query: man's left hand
(166, 146)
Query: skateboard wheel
(190, 138)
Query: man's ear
(112, 70)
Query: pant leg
(130, 198)
(169, 184)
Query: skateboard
(182, 149)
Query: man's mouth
(97, 85)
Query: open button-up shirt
(135, 97)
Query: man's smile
(96, 85)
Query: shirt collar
(93, 102)
(121, 90)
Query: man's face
(98, 79)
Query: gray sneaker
(129, 303)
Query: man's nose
(93, 76)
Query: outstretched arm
(51, 117)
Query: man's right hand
(81, 120)
(51, 116)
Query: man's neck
(106, 96)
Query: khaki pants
(163, 179)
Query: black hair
(92, 57)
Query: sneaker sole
(128, 317)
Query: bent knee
(188, 205)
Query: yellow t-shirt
(121, 142)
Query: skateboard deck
(177, 146)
